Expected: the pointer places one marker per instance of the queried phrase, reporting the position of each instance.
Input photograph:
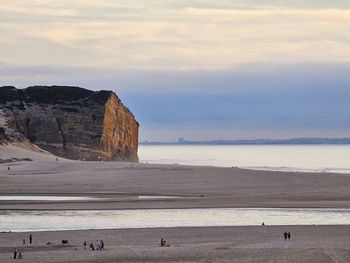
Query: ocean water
(21, 221)
(305, 158)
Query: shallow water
(306, 158)
(58, 198)
(21, 221)
(44, 198)
(158, 197)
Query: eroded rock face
(71, 122)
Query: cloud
(170, 34)
(219, 66)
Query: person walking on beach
(30, 238)
(20, 254)
(14, 253)
(285, 234)
(288, 235)
(85, 244)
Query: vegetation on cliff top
(51, 94)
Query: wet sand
(122, 183)
(319, 244)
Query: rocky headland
(70, 122)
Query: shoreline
(180, 208)
(268, 169)
(71, 231)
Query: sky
(198, 69)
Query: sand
(194, 187)
(310, 244)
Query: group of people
(17, 253)
(286, 235)
(64, 242)
(100, 245)
(163, 243)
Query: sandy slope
(24, 149)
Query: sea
(296, 158)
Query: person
(163, 242)
(288, 235)
(285, 234)
(23, 241)
(102, 244)
(92, 247)
(85, 244)
(20, 254)
(8, 168)
(14, 253)
(263, 224)
(30, 238)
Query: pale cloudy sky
(200, 69)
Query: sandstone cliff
(71, 122)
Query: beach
(319, 244)
(194, 186)
(120, 185)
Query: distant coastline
(292, 141)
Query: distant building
(181, 140)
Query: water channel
(21, 221)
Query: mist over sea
(303, 158)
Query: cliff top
(52, 94)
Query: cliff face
(71, 122)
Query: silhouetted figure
(288, 235)
(20, 255)
(98, 246)
(163, 243)
(285, 234)
(102, 244)
(30, 239)
(263, 224)
(8, 168)
(92, 246)
(14, 253)
(84, 244)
